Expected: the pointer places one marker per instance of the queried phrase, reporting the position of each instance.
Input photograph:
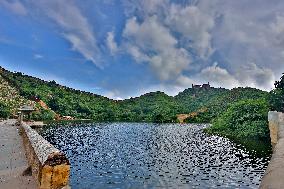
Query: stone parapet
(274, 119)
(274, 174)
(49, 166)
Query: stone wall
(274, 175)
(50, 167)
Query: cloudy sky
(126, 48)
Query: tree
(243, 119)
(276, 97)
(280, 84)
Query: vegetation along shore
(235, 113)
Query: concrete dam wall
(49, 166)
(274, 175)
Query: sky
(125, 48)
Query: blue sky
(126, 48)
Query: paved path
(12, 158)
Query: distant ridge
(149, 107)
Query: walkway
(12, 158)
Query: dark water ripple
(139, 155)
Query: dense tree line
(248, 118)
(242, 120)
(217, 101)
(150, 107)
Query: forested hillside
(209, 104)
(150, 107)
(10, 99)
(154, 106)
(248, 118)
(63, 100)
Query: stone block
(46, 177)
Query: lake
(148, 155)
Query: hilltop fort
(203, 86)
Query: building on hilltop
(206, 86)
(203, 86)
(196, 86)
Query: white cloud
(111, 44)
(254, 76)
(248, 75)
(173, 36)
(152, 39)
(114, 94)
(153, 43)
(248, 32)
(278, 25)
(38, 56)
(185, 18)
(85, 48)
(15, 6)
(75, 26)
(194, 25)
(218, 76)
(149, 34)
(151, 6)
(136, 53)
(144, 7)
(184, 81)
(277, 28)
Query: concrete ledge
(274, 174)
(50, 167)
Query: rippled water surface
(139, 155)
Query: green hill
(10, 99)
(210, 103)
(150, 107)
(63, 100)
(193, 100)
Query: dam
(147, 155)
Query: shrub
(5, 110)
(43, 115)
(200, 117)
(246, 118)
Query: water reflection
(139, 155)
